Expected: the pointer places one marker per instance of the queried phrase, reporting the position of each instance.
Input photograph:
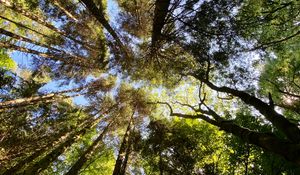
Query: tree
(87, 154)
(6, 61)
(158, 84)
(184, 147)
(210, 28)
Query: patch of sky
(113, 11)
(114, 19)
(143, 127)
(19, 56)
(23, 60)
(55, 86)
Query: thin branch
(265, 45)
(187, 105)
(230, 97)
(282, 91)
(291, 130)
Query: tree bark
(36, 99)
(62, 8)
(127, 153)
(121, 162)
(42, 164)
(290, 130)
(98, 14)
(87, 154)
(268, 141)
(43, 22)
(160, 164)
(50, 48)
(49, 158)
(25, 27)
(21, 38)
(14, 169)
(160, 14)
(71, 61)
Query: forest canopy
(164, 87)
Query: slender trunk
(25, 27)
(42, 21)
(20, 164)
(159, 20)
(62, 8)
(247, 158)
(42, 164)
(127, 153)
(71, 61)
(21, 38)
(122, 152)
(36, 99)
(29, 15)
(160, 164)
(291, 130)
(98, 14)
(87, 154)
(49, 158)
(267, 141)
(14, 169)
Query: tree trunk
(87, 154)
(62, 8)
(21, 38)
(159, 20)
(127, 153)
(36, 99)
(14, 169)
(42, 21)
(98, 14)
(25, 27)
(246, 162)
(160, 164)
(42, 164)
(50, 48)
(268, 141)
(49, 158)
(291, 130)
(71, 61)
(121, 161)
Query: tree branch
(291, 130)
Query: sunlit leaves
(7, 62)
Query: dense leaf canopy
(149, 87)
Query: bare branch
(187, 105)
(291, 130)
(229, 97)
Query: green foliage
(215, 91)
(6, 62)
(101, 163)
(184, 147)
(135, 17)
(245, 158)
